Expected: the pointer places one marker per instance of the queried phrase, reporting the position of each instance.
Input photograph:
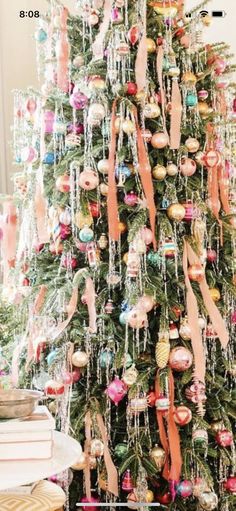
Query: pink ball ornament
(211, 255)
(31, 105)
(203, 94)
(224, 438)
(137, 318)
(233, 317)
(67, 378)
(131, 199)
(180, 359)
(78, 100)
(212, 158)
(116, 390)
(88, 180)
(146, 303)
(63, 183)
(187, 166)
(65, 231)
(184, 489)
(191, 211)
(92, 500)
(28, 155)
(159, 140)
(48, 121)
(220, 66)
(70, 262)
(230, 485)
(146, 235)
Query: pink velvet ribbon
(63, 54)
(90, 297)
(103, 28)
(112, 203)
(8, 244)
(41, 215)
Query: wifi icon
(203, 13)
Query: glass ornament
(180, 359)
(106, 358)
(86, 234)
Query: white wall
(18, 59)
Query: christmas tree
(122, 285)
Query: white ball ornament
(79, 359)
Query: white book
(40, 420)
(18, 451)
(25, 436)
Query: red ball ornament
(182, 415)
(94, 209)
(220, 66)
(180, 359)
(196, 272)
(133, 34)
(211, 255)
(151, 398)
(131, 88)
(230, 485)
(91, 500)
(54, 388)
(224, 438)
(63, 183)
(164, 499)
(76, 375)
(67, 378)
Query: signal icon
(203, 14)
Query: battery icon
(218, 14)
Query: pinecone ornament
(162, 349)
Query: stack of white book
(30, 438)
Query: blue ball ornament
(41, 36)
(191, 99)
(49, 158)
(51, 357)
(86, 234)
(122, 170)
(123, 318)
(106, 359)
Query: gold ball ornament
(141, 97)
(208, 500)
(174, 72)
(122, 227)
(82, 220)
(167, 9)
(202, 108)
(171, 169)
(130, 376)
(96, 83)
(215, 294)
(151, 45)
(128, 127)
(159, 140)
(103, 166)
(196, 272)
(104, 189)
(192, 145)
(185, 330)
(117, 124)
(158, 455)
(96, 448)
(79, 359)
(149, 496)
(217, 426)
(189, 78)
(159, 172)
(232, 369)
(151, 110)
(125, 257)
(176, 212)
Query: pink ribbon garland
(8, 225)
(99, 40)
(176, 115)
(159, 69)
(63, 54)
(41, 215)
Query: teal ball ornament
(106, 359)
(51, 357)
(154, 258)
(86, 234)
(121, 450)
(191, 99)
(41, 36)
(123, 318)
(128, 361)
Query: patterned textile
(45, 496)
